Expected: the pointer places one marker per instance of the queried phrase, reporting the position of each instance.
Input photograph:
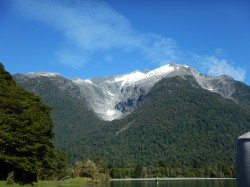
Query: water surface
(177, 183)
(170, 183)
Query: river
(171, 183)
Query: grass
(68, 182)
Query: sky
(91, 38)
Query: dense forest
(179, 129)
(27, 150)
(177, 121)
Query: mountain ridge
(114, 97)
(170, 117)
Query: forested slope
(177, 121)
(75, 121)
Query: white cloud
(216, 66)
(87, 24)
(222, 67)
(160, 49)
(93, 26)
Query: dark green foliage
(25, 131)
(74, 120)
(138, 172)
(242, 94)
(167, 169)
(121, 172)
(177, 121)
(54, 165)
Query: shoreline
(169, 179)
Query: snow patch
(88, 81)
(44, 74)
(110, 93)
(77, 80)
(137, 75)
(81, 81)
(161, 70)
(110, 112)
(131, 78)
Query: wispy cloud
(160, 49)
(71, 58)
(216, 65)
(90, 27)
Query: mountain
(171, 113)
(115, 97)
(71, 113)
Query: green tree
(54, 165)
(91, 169)
(138, 171)
(25, 132)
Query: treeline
(98, 170)
(164, 169)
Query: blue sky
(89, 38)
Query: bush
(10, 178)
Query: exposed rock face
(115, 97)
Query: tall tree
(25, 131)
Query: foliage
(242, 94)
(167, 169)
(177, 121)
(10, 178)
(25, 132)
(54, 165)
(138, 172)
(90, 169)
(74, 120)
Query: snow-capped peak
(116, 96)
(161, 70)
(137, 75)
(130, 78)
